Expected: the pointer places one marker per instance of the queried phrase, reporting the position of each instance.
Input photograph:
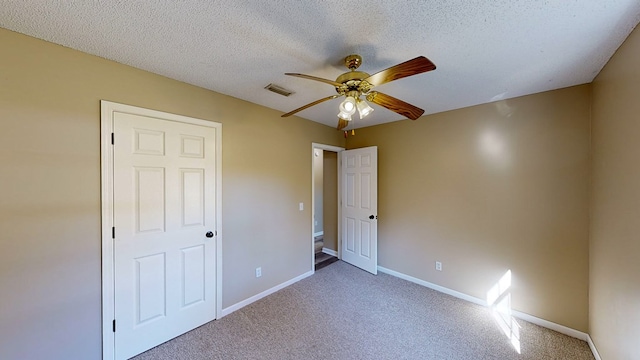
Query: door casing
(107, 210)
(338, 150)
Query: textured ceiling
(484, 50)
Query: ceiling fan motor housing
(353, 81)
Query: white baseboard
(318, 233)
(520, 315)
(550, 325)
(243, 303)
(593, 348)
(330, 252)
(439, 288)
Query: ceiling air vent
(278, 90)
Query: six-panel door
(360, 208)
(164, 196)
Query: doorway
(325, 205)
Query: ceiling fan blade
(310, 105)
(408, 68)
(395, 105)
(342, 124)
(330, 82)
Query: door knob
(372, 217)
(209, 234)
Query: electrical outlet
(258, 272)
(438, 266)
(301, 206)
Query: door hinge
(112, 138)
(114, 325)
(113, 232)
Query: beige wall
(50, 199)
(490, 188)
(330, 200)
(614, 311)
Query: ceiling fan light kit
(348, 105)
(344, 116)
(364, 109)
(354, 84)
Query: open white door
(360, 208)
(165, 229)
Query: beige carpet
(342, 312)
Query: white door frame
(337, 150)
(106, 175)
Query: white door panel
(164, 204)
(360, 208)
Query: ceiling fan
(354, 84)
